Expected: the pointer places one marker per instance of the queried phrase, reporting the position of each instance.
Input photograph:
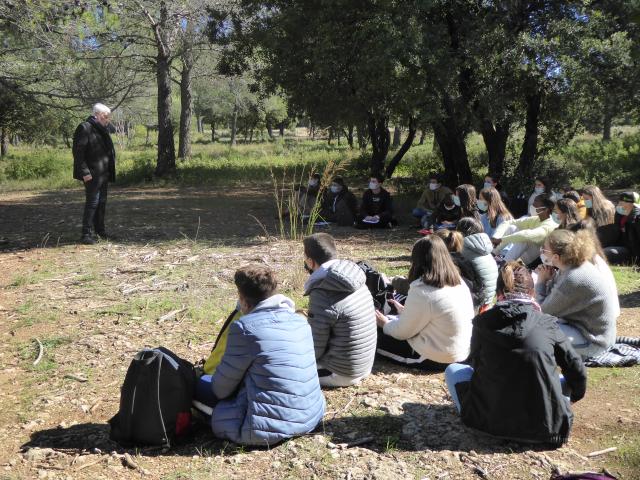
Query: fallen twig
(87, 465)
(128, 462)
(602, 452)
(40, 352)
(361, 441)
(77, 378)
(95, 406)
(171, 315)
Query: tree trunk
(362, 137)
(423, 134)
(270, 130)
(454, 152)
(186, 105)
(380, 140)
(403, 149)
(350, 136)
(251, 135)
(495, 141)
(530, 144)
(166, 147)
(4, 142)
(397, 133)
(234, 125)
(213, 132)
(281, 128)
(606, 126)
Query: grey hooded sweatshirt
(342, 318)
(477, 249)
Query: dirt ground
(93, 307)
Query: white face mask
(313, 182)
(335, 188)
(488, 185)
(539, 190)
(546, 260)
(482, 205)
(374, 185)
(533, 211)
(456, 200)
(434, 186)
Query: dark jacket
(469, 276)
(93, 152)
(376, 204)
(444, 215)
(515, 391)
(340, 208)
(623, 236)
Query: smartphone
(392, 308)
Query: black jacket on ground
(93, 152)
(615, 235)
(515, 391)
(376, 204)
(443, 215)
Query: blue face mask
(588, 203)
(456, 200)
(539, 190)
(620, 209)
(488, 185)
(556, 217)
(482, 205)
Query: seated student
(565, 213)
(430, 200)
(584, 300)
(492, 209)
(598, 207)
(341, 314)
(522, 237)
(339, 205)
(447, 214)
(493, 181)
(623, 245)
(511, 388)
(433, 328)
(579, 201)
(454, 242)
(465, 198)
(376, 210)
(477, 249)
(540, 186)
(258, 394)
(306, 197)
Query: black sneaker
(87, 240)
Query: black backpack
(376, 285)
(155, 400)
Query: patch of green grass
(628, 454)
(28, 352)
(627, 279)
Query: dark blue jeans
(94, 206)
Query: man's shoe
(87, 240)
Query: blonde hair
(573, 248)
(515, 278)
(452, 239)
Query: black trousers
(385, 220)
(400, 352)
(95, 205)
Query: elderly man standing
(94, 163)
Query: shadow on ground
(420, 427)
(221, 215)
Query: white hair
(101, 108)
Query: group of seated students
(497, 303)
(340, 206)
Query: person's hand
(395, 303)
(376, 217)
(381, 320)
(545, 273)
(87, 178)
